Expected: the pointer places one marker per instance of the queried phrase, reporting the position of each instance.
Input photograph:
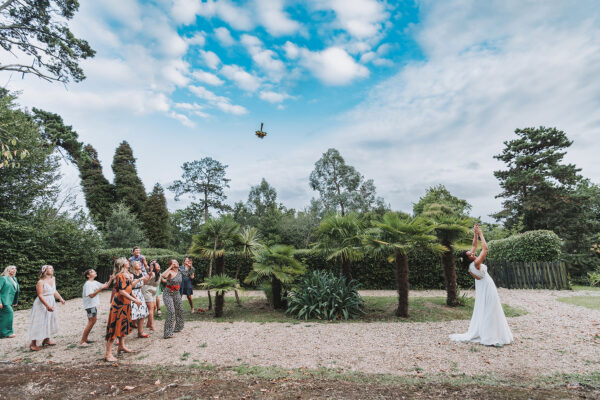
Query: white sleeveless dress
(488, 324)
(43, 323)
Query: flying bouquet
(260, 133)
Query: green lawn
(377, 309)
(578, 288)
(592, 302)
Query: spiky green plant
(392, 237)
(220, 284)
(247, 244)
(322, 295)
(340, 239)
(277, 264)
(451, 231)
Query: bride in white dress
(488, 324)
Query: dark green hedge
(105, 258)
(60, 242)
(425, 269)
(532, 246)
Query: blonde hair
(5, 273)
(132, 266)
(43, 270)
(119, 264)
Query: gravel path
(552, 337)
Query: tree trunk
(220, 265)
(276, 287)
(237, 297)
(347, 269)
(219, 304)
(450, 276)
(401, 265)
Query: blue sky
(413, 93)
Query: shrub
(105, 258)
(594, 278)
(532, 246)
(323, 295)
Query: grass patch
(592, 302)
(579, 288)
(377, 309)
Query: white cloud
(210, 59)
(273, 97)
(192, 108)
(292, 51)
(176, 72)
(333, 66)
(224, 37)
(265, 59)
(186, 11)
(276, 21)
(360, 18)
(208, 78)
(221, 102)
(198, 39)
(240, 77)
(183, 119)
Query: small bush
(532, 246)
(323, 295)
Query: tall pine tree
(129, 188)
(156, 218)
(99, 193)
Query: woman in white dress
(139, 312)
(488, 324)
(44, 323)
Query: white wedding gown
(488, 324)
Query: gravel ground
(552, 337)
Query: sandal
(145, 335)
(34, 348)
(113, 359)
(47, 342)
(159, 313)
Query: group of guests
(138, 286)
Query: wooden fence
(529, 275)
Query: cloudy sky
(412, 93)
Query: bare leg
(158, 305)
(189, 297)
(87, 330)
(122, 347)
(150, 323)
(140, 327)
(108, 356)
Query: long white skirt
(488, 324)
(43, 323)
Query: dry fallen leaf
(129, 388)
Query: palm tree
(393, 236)
(278, 264)
(220, 284)
(248, 244)
(340, 239)
(215, 238)
(450, 231)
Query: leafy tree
(184, 224)
(57, 134)
(23, 185)
(247, 244)
(341, 187)
(129, 188)
(392, 237)
(262, 199)
(440, 195)
(340, 238)
(220, 284)
(204, 179)
(122, 229)
(276, 263)
(216, 237)
(36, 34)
(99, 193)
(450, 230)
(156, 218)
(536, 185)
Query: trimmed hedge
(532, 246)
(105, 259)
(425, 268)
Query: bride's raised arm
(474, 247)
(484, 247)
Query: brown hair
(43, 270)
(87, 272)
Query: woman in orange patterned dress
(119, 317)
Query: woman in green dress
(9, 295)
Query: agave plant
(220, 284)
(322, 295)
